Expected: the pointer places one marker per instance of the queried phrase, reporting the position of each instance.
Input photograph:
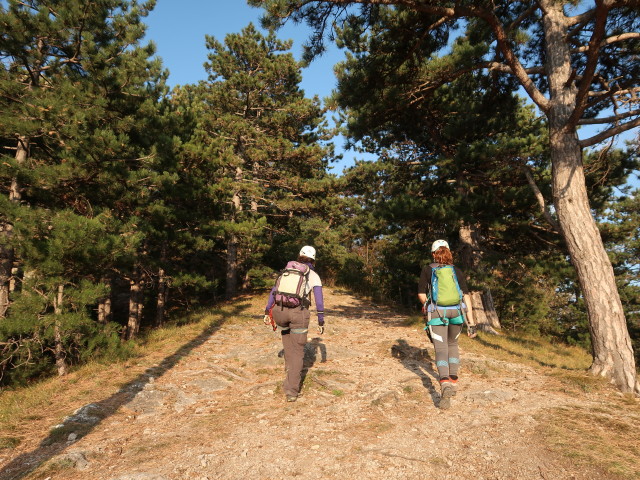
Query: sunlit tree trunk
(484, 311)
(161, 298)
(135, 306)
(6, 264)
(6, 231)
(232, 246)
(61, 364)
(612, 351)
(104, 305)
(232, 267)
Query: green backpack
(445, 290)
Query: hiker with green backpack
(287, 310)
(444, 295)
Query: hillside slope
(215, 410)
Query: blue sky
(178, 29)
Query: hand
(424, 308)
(471, 331)
(267, 319)
(320, 329)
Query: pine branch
(612, 119)
(609, 41)
(593, 55)
(539, 197)
(588, 142)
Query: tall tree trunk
(232, 267)
(6, 265)
(22, 154)
(104, 305)
(612, 351)
(135, 306)
(484, 311)
(61, 364)
(162, 298)
(231, 287)
(7, 254)
(490, 310)
(16, 278)
(470, 253)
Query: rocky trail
(215, 410)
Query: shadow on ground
(368, 311)
(89, 418)
(418, 361)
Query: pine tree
(256, 151)
(80, 99)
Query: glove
(471, 331)
(267, 319)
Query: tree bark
(161, 299)
(470, 253)
(7, 254)
(481, 315)
(22, 154)
(231, 286)
(232, 267)
(135, 307)
(61, 364)
(484, 311)
(490, 310)
(612, 351)
(6, 265)
(104, 305)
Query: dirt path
(216, 411)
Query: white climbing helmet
(308, 251)
(437, 244)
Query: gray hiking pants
(445, 341)
(294, 323)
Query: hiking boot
(445, 403)
(291, 398)
(454, 387)
(447, 392)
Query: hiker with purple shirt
(293, 322)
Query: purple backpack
(290, 285)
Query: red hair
(443, 256)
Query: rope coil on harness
(285, 330)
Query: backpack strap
(455, 278)
(305, 300)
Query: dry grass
(529, 350)
(607, 438)
(27, 414)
